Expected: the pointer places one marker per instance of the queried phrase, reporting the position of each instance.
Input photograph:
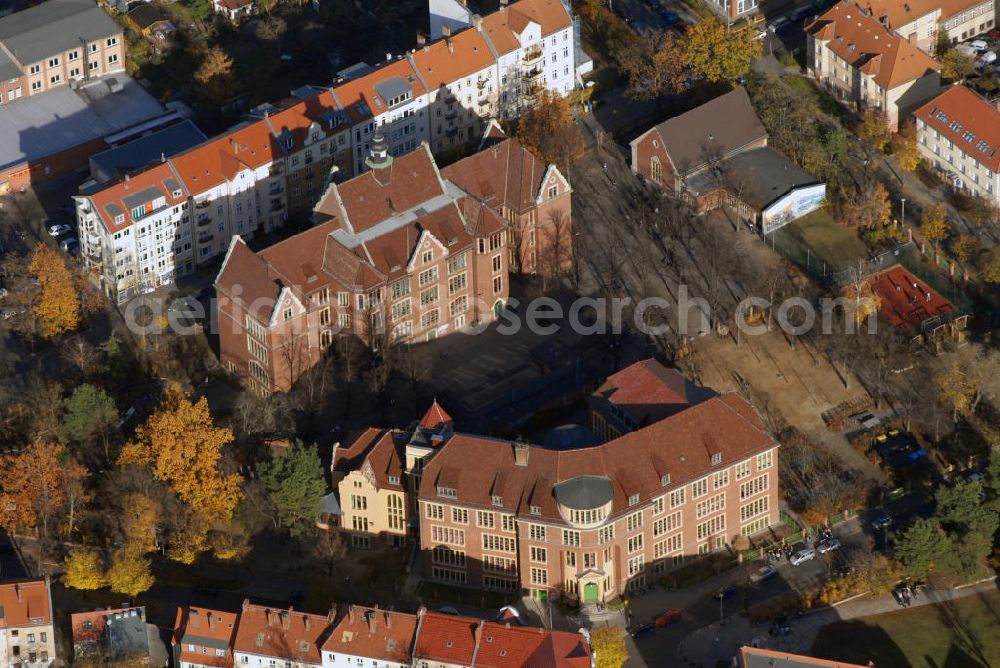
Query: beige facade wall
(372, 512)
(94, 59)
(922, 31)
(970, 22)
(36, 644)
(959, 166)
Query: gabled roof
(504, 174)
(710, 132)
(382, 635)
(967, 120)
(751, 657)
(447, 60)
(245, 268)
(25, 603)
(648, 391)
(868, 45)
(380, 449)
(474, 642)
(362, 100)
(52, 27)
(282, 634)
(895, 14)
(681, 445)
(504, 26)
(211, 629)
(122, 197)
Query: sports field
(818, 242)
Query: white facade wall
(248, 660)
(332, 660)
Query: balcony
(451, 115)
(450, 99)
(451, 132)
(204, 221)
(204, 204)
(277, 205)
(533, 74)
(482, 83)
(484, 100)
(533, 55)
(205, 238)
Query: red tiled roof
(868, 45)
(25, 603)
(158, 181)
(468, 641)
(682, 445)
(648, 391)
(359, 98)
(973, 114)
(502, 27)
(285, 634)
(247, 271)
(504, 174)
(898, 13)
(751, 656)
(372, 633)
(448, 60)
(435, 417)
(378, 449)
(97, 623)
(202, 627)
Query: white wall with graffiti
(797, 203)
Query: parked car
(828, 545)
(986, 58)
(670, 18)
(979, 44)
(972, 476)
(763, 573)
(644, 630)
(802, 556)
(780, 25)
(882, 521)
(70, 245)
(59, 229)
(725, 592)
(668, 617)
(3, 292)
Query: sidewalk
(715, 643)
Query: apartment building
(399, 254)
(266, 636)
(203, 638)
(452, 641)
(921, 22)
(364, 636)
(865, 65)
(27, 638)
(958, 134)
(639, 395)
(113, 635)
(278, 163)
(56, 42)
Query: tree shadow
(859, 643)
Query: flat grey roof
(52, 27)
(584, 492)
(146, 150)
(46, 124)
(205, 641)
(391, 88)
(759, 177)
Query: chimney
(333, 461)
(421, 40)
(451, 47)
(350, 613)
(211, 621)
(305, 621)
(372, 621)
(477, 21)
(286, 620)
(331, 616)
(446, 30)
(479, 632)
(388, 619)
(17, 590)
(521, 452)
(267, 618)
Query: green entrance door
(541, 595)
(590, 592)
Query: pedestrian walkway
(720, 642)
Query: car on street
(979, 44)
(69, 245)
(763, 573)
(644, 630)
(725, 592)
(668, 617)
(9, 313)
(882, 521)
(802, 556)
(828, 545)
(59, 229)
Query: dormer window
(138, 212)
(447, 492)
(664, 479)
(120, 218)
(394, 480)
(716, 458)
(289, 142)
(177, 193)
(633, 499)
(497, 500)
(535, 510)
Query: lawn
(808, 88)
(827, 242)
(953, 634)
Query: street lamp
(902, 215)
